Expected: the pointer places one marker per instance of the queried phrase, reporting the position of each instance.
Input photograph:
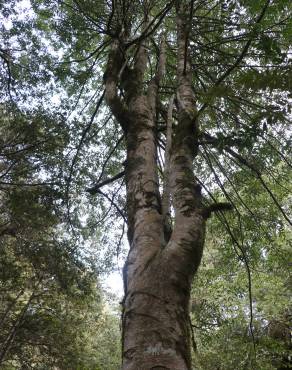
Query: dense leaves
(58, 139)
(51, 299)
(241, 303)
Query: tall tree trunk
(160, 265)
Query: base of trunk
(156, 327)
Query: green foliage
(223, 290)
(51, 301)
(55, 238)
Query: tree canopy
(72, 75)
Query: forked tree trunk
(156, 309)
(161, 264)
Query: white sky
(114, 284)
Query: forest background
(63, 220)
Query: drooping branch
(112, 151)
(218, 206)
(75, 158)
(240, 252)
(10, 307)
(82, 138)
(95, 53)
(7, 343)
(241, 55)
(112, 202)
(245, 49)
(243, 161)
(239, 197)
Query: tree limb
(95, 189)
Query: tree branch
(95, 189)
(240, 57)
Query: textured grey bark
(161, 262)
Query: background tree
(53, 312)
(234, 314)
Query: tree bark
(160, 266)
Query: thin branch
(113, 203)
(118, 249)
(240, 57)
(81, 141)
(161, 15)
(242, 256)
(95, 189)
(109, 157)
(19, 184)
(260, 178)
(194, 345)
(249, 165)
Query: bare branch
(95, 189)
(113, 203)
